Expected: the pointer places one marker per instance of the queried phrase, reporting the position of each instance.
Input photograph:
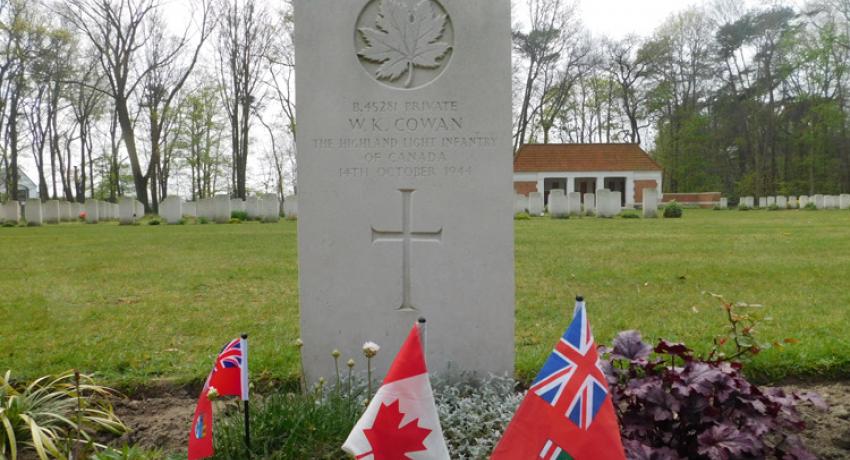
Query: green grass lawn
(147, 303)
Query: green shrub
(10, 224)
(48, 416)
(234, 221)
(522, 216)
(202, 220)
(154, 222)
(630, 214)
(291, 218)
(811, 206)
(743, 207)
(773, 207)
(290, 426)
(241, 215)
(673, 210)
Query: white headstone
(803, 201)
(762, 202)
(405, 180)
(271, 208)
(252, 207)
(574, 203)
(10, 212)
(51, 212)
(221, 209)
(290, 207)
(831, 202)
(520, 203)
(844, 201)
(140, 210)
(782, 202)
(535, 204)
(171, 209)
(724, 203)
(590, 204)
(650, 202)
(771, 200)
(127, 211)
(77, 210)
(792, 202)
(206, 209)
(190, 209)
(558, 206)
(607, 203)
(237, 205)
(92, 211)
(32, 211)
(820, 202)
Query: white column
(571, 184)
(540, 180)
(630, 191)
(600, 182)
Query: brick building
(584, 168)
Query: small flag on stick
(567, 413)
(401, 420)
(229, 377)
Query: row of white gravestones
(650, 203)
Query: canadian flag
(401, 420)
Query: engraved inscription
(406, 236)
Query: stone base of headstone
(558, 206)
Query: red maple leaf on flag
(389, 440)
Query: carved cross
(406, 236)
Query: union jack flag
(571, 381)
(230, 356)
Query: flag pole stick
(246, 406)
(579, 303)
(422, 335)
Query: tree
(245, 39)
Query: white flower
(350, 363)
(299, 343)
(335, 353)
(370, 349)
(212, 394)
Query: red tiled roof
(583, 157)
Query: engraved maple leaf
(405, 38)
(390, 440)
